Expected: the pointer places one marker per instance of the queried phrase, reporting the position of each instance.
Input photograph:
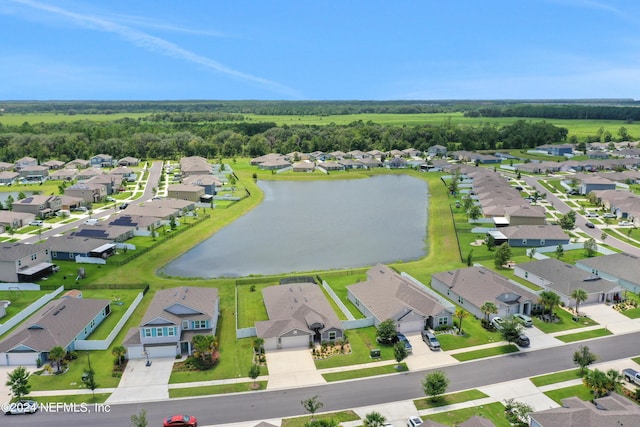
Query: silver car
(524, 319)
(21, 407)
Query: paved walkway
(141, 383)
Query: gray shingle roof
(184, 302)
(386, 294)
(57, 323)
(622, 265)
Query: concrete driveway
(422, 357)
(292, 368)
(606, 316)
(141, 383)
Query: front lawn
(474, 334)
(580, 391)
(339, 417)
(215, 389)
(366, 372)
(362, 341)
(76, 398)
(564, 323)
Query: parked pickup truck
(632, 376)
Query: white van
(91, 221)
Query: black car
(590, 225)
(523, 340)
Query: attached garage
(410, 322)
(301, 339)
(23, 358)
(162, 351)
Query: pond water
(317, 225)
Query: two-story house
(102, 161)
(39, 205)
(174, 316)
(20, 262)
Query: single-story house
(330, 166)
(142, 225)
(128, 161)
(112, 233)
(563, 279)
(525, 215)
(208, 182)
(34, 173)
(173, 318)
(59, 323)
(299, 316)
(532, 235)
(53, 164)
(78, 164)
(621, 268)
(304, 166)
(68, 247)
(387, 295)
(472, 287)
(595, 183)
(612, 410)
(15, 219)
(5, 166)
(63, 175)
(8, 177)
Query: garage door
(18, 359)
(413, 326)
(135, 352)
(162, 351)
(295, 341)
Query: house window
(171, 332)
(332, 335)
(19, 263)
(199, 324)
(443, 321)
(147, 332)
(159, 332)
(185, 324)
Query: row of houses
(99, 161)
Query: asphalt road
(337, 396)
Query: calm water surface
(318, 225)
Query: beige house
(38, 205)
(192, 193)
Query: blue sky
(319, 50)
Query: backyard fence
(32, 308)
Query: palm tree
(488, 308)
(579, 295)
(119, 351)
(374, 419)
(548, 299)
(461, 314)
(56, 354)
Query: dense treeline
(614, 109)
(580, 112)
(170, 140)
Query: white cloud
(156, 44)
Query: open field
(18, 119)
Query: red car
(181, 421)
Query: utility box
(375, 353)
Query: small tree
(386, 332)
(568, 220)
(18, 382)
(579, 295)
(601, 383)
(559, 251)
(510, 329)
(491, 242)
(517, 412)
(254, 373)
(583, 358)
(139, 419)
(91, 381)
(470, 258)
(590, 247)
(399, 352)
(312, 405)
(548, 299)
(474, 212)
(56, 354)
(503, 254)
(460, 314)
(488, 308)
(119, 352)
(435, 384)
(603, 236)
(374, 419)
(532, 253)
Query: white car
(625, 223)
(592, 215)
(497, 322)
(414, 421)
(21, 407)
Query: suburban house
(59, 323)
(69, 247)
(275, 164)
(530, 235)
(38, 205)
(124, 173)
(437, 150)
(20, 262)
(304, 166)
(612, 410)
(192, 193)
(172, 319)
(8, 177)
(195, 165)
(110, 182)
(113, 233)
(472, 287)
(89, 193)
(556, 149)
(387, 295)
(621, 268)
(53, 164)
(299, 316)
(594, 183)
(87, 174)
(265, 158)
(15, 219)
(102, 161)
(563, 279)
(141, 225)
(128, 161)
(5, 166)
(329, 166)
(208, 182)
(63, 175)
(525, 215)
(78, 164)
(24, 162)
(34, 173)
